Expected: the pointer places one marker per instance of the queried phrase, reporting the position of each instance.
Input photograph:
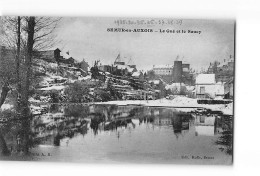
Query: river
(128, 134)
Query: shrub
(77, 92)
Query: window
(202, 119)
(202, 90)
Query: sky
(88, 38)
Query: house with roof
(49, 55)
(138, 75)
(119, 60)
(131, 64)
(84, 66)
(122, 67)
(207, 87)
(229, 88)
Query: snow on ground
(84, 78)
(6, 106)
(186, 104)
(53, 88)
(174, 86)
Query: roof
(122, 67)
(174, 85)
(156, 82)
(48, 53)
(130, 62)
(226, 62)
(163, 66)
(205, 79)
(231, 80)
(136, 74)
(130, 69)
(65, 55)
(118, 58)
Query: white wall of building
(214, 90)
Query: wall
(163, 71)
(214, 90)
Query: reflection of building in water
(204, 125)
(162, 116)
(180, 122)
(162, 121)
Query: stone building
(177, 73)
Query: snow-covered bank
(179, 102)
(6, 106)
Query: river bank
(186, 104)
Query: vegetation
(21, 38)
(78, 92)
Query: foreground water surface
(127, 134)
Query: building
(49, 55)
(8, 60)
(84, 66)
(68, 62)
(105, 68)
(120, 67)
(206, 87)
(227, 64)
(229, 88)
(177, 73)
(138, 75)
(163, 69)
(185, 69)
(224, 71)
(119, 60)
(131, 64)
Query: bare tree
(28, 62)
(23, 37)
(7, 72)
(44, 33)
(14, 36)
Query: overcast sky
(88, 38)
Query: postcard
(117, 90)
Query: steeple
(119, 61)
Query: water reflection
(59, 123)
(205, 125)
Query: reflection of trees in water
(16, 136)
(96, 119)
(109, 111)
(117, 124)
(226, 139)
(145, 114)
(180, 122)
(76, 111)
